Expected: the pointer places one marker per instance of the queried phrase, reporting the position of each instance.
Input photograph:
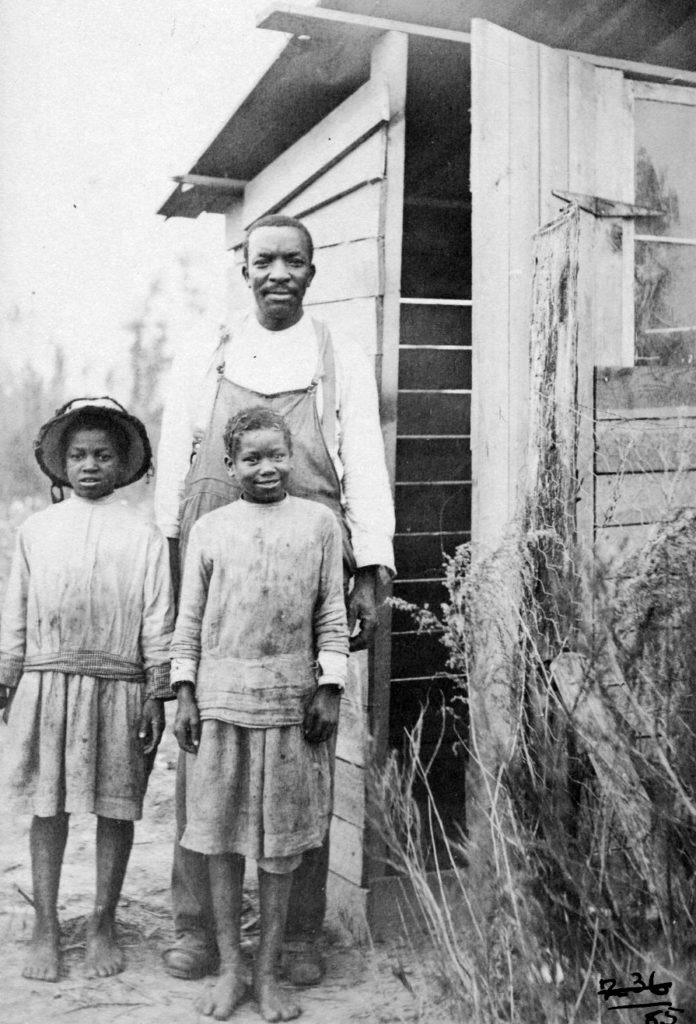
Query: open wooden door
(546, 122)
(542, 121)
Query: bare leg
(226, 877)
(114, 842)
(47, 839)
(274, 893)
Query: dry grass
(581, 850)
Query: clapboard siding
(654, 390)
(365, 165)
(360, 169)
(348, 271)
(354, 321)
(351, 743)
(348, 219)
(643, 498)
(645, 456)
(346, 853)
(316, 152)
(640, 446)
(349, 793)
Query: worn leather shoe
(303, 964)
(189, 958)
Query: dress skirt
(72, 745)
(259, 793)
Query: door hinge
(606, 207)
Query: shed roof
(315, 73)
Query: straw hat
(49, 448)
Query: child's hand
(321, 716)
(151, 725)
(187, 722)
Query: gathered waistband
(86, 663)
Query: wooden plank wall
(645, 459)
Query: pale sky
(100, 104)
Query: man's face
(279, 273)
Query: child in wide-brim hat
(84, 661)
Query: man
(278, 356)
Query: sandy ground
(371, 983)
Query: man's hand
(187, 724)
(321, 717)
(151, 725)
(362, 607)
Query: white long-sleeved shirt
(269, 362)
(89, 593)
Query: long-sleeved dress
(261, 602)
(85, 637)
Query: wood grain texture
(346, 218)
(352, 270)
(362, 166)
(346, 852)
(351, 322)
(349, 793)
(645, 446)
(645, 390)
(322, 147)
(643, 498)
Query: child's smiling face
(261, 464)
(92, 463)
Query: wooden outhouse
(425, 148)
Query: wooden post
(389, 64)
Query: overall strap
(326, 372)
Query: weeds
(581, 849)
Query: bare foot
(44, 953)
(274, 1003)
(228, 992)
(103, 956)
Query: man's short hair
(278, 220)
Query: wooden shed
(425, 148)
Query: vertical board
(491, 197)
(541, 120)
(389, 65)
(524, 219)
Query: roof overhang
(326, 58)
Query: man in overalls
(279, 356)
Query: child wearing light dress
(259, 660)
(84, 663)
